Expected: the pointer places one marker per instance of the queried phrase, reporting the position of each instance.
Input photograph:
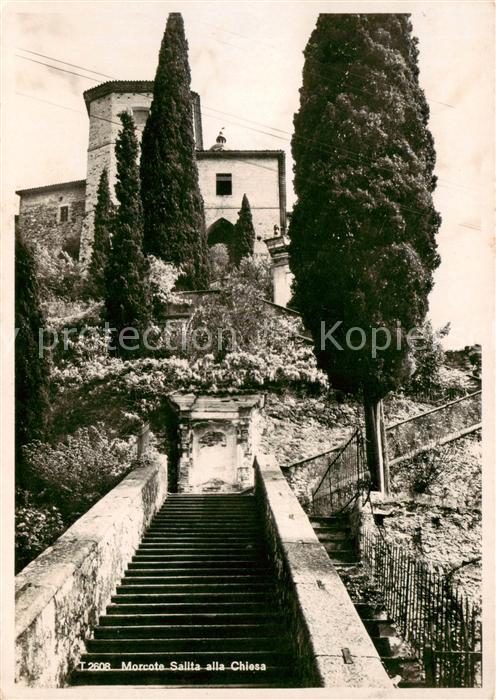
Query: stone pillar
(281, 274)
(217, 441)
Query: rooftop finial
(219, 141)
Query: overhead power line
(354, 154)
(62, 70)
(72, 65)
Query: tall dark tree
(104, 213)
(31, 365)
(244, 233)
(174, 220)
(363, 229)
(127, 295)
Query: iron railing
(343, 478)
(424, 430)
(452, 669)
(433, 616)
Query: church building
(61, 216)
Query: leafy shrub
(59, 275)
(235, 320)
(37, 527)
(428, 356)
(78, 471)
(162, 277)
(220, 264)
(425, 471)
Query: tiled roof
(118, 86)
(57, 186)
(236, 153)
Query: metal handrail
(343, 448)
(433, 410)
(388, 427)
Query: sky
(246, 61)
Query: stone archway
(221, 231)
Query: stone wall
(297, 427)
(60, 595)
(323, 622)
(40, 220)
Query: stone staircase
(401, 663)
(197, 605)
(334, 532)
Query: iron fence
(424, 430)
(439, 622)
(452, 669)
(343, 478)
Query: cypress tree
(127, 296)
(362, 234)
(174, 221)
(104, 213)
(244, 233)
(31, 370)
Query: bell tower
(104, 103)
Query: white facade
(258, 174)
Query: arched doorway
(221, 231)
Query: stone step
(338, 545)
(200, 562)
(210, 517)
(197, 538)
(188, 644)
(390, 647)
(206, 528)
(199, 556)
(177, 570)
(176, 599)
(197, 618)
(157, 577)
(380, 628)
(334, 535)
(345, 565)
(410, 670)
(232, 585)
(371, 612)
(189, 496)
(330, 520)
(201, 547)
(169, 631)
(347, 556)
(217, 513)
(186, 608)
(330, 535)
(208, 497)
(246, 566)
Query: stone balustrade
(330, 640)
(60, 595)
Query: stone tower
(104, 103)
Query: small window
(64, 214)
(223, 183)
